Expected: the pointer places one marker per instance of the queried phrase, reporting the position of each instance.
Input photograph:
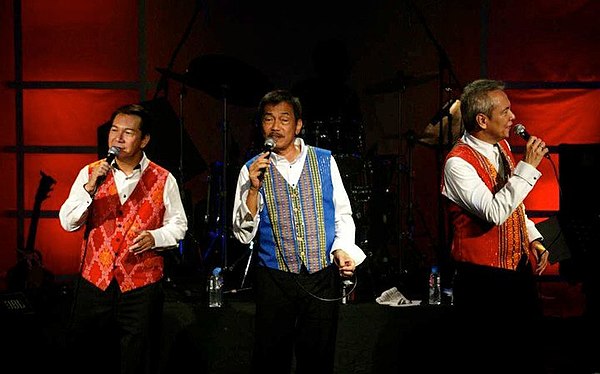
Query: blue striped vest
(297, 224)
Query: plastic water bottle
(215, 289)
(435, 292)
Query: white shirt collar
(298, 143)
(488, 150)
(144, 162)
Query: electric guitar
(29, 272)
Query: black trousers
(115, 332)
(292, 318)
(499, 316)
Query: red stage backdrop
(66, 64)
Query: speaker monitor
(579, 214)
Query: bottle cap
(434, 269)
(216, 271)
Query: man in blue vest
(292, 199)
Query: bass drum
(339, 135)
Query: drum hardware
(450, 112)
(231, 81)
(399, 84)
(224, 78)
(448, 81)
(167, 147)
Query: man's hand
(541, 254)
(98, 174)
(344, 263)
(143, 242)
(535, 150)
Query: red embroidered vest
(476, 240)
(111, 228)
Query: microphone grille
(269, 143)
(114, 151)
(520, 129)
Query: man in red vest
(496, 248)
(130, 209)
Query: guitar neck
(33, 225)
(46, 183)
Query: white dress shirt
(73, 213)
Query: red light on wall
(69, 117)
(544, 195)
(71, 40)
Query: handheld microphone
(522, 132)
(113, 152)
(268, 146)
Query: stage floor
(372, 338)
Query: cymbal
(431, 134)
(223, 77)
(182, 78)
(399, 83)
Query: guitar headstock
(46, 184)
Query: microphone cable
(354, 280)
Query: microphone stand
(443, 253)
(163, 86)
(182, 94)
(221, 233)
(179, 257)
(443, 257)
(224, 205)
(401, 234)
